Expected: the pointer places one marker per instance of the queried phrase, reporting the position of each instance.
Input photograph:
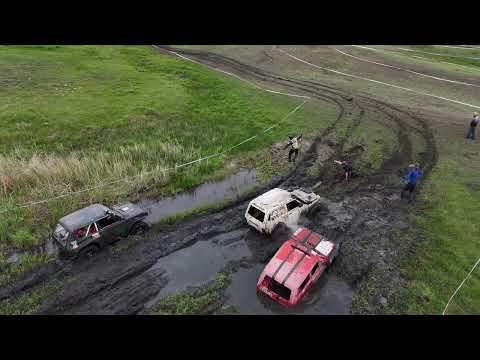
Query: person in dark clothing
(473, 126)
(347, 168)
(293, 143)
(414, 172)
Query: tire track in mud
(123, 284)
(430, 155)
(311, 88)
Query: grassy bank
(28, 303)
(79, 116)
(435, 62)
(451, 55)
(447, 232)
(25, 263)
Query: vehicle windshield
(60, 233)
(256, 213)
(293, 204)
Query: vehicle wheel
(312, 210)
(139, 228)
(281, 229)
(333, 260)
(89, 252)
(316, 209)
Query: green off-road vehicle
(85, 231)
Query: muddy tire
(334, 259)
(313, 210)
(281, 229)
(139, 228)
(330, 266)
(89, 252)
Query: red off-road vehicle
(296, 266)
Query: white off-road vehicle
(277, 206)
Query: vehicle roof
(272, 198)
(83, 217)
(292, 265)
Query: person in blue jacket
(414, 172)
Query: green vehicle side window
(107, 221)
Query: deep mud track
(362, 216)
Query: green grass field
(440, 62)
(74, 117)
(451, 55)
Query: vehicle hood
(129, 210)
(305, 197)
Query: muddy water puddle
(200, 263)
(48, 248)
(205, 194)
(329, 296)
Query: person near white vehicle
(347, 168)
(293, 143)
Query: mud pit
(199, 263)
(362, 216)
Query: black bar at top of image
(238, 23)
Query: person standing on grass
(293, 143)
(414, 172)
(473, 126)
(347, 168)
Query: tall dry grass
(53, 174)
(25, 179)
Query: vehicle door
(278, 214)
(111, 228)
(294, 208)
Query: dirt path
(361, 216)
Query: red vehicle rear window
(279, 289)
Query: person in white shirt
(293, 143)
